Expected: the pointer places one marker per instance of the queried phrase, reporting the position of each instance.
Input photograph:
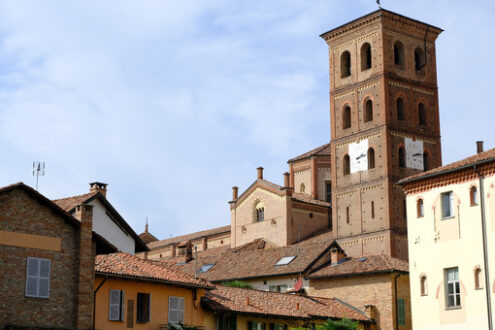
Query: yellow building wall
(193, 313)
(436, 244)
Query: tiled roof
(71, 202)
(300, 197)
(256, 259)
(362, 265)
(124, 265)
(323, 150)
(189, 237)
(485, 156)
(147, 237)
(273, 304)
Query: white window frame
(120, 305)
(34, 276)
(455, 284)
(450, 202)
(179, 309)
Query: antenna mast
(38, 169)
(378, 3)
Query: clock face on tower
(414, 154)
(358, 154)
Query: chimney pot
(479, 146)
(235, 193)
(297, 306)
(98, 186)
(247, 301)
(286, 180)
(260, 173)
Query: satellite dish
(298, 284)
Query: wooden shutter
(32, 271)
(44, 279)
(173, 310)
(115, 305)
(147, 307)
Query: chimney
(98, 186)
(336, 255)
(286, 180)
(369, 310)
(185, 250)
(479, 146)
(84, 213)
(260, 173)
(235, 193)
(174, 250)
(297, 306)
(247, 301)
(204, 243)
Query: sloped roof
(323, 150)
(482, 157)
(274, 304)
(124, 265)
(189, 237)
(362, 265)
(69, 203)
(147, 237)
(304, 198)
(256, 259)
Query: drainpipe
(94, 300)
(485, 248)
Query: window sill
(424, 295)
(448, 218)
(453, 308)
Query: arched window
(346, 117)
(302, 188)
(426, 161)
(345, 64)
(419, 59)
(420, 209)
(399, 55)
(259, 215)
(400, 109)
(347, 165)
(423, 285)
(402, 158)
(473, 193)
(477, 277)
(368, 110)
(365, 56)
(422, 114)
(371, 158)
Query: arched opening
(302, 188)
(371, 158)
(347, 165)
(423, 285)
(402, 158)
(399, 55)
(422, 114)
(473, 193)
(346, 117)
(401, 115)
(420, 209)
(419, 58)
(259, 212)
(365, 56)
(426, 161)
(345, 64)
(368, 111)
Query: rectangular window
(226, 322)
(38, 278)
(143, 307)
(256, 325)
(448, 204)
(452, 290)
(372, 210)
(347, 216)
(401, 309)
(278, 288)
(116, 305)
(328, 191)
(175, 309)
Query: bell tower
(384, 126)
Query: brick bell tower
(384, 126)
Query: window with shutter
(38, 278)
(175, 309)
(116, 305)
(402, 311)
(143, 307)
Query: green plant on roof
(237, 284)
(343, 324)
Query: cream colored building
(451, 234)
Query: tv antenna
(38, 169)
(378, 3)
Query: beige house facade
(451, 228)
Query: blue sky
(174, 102)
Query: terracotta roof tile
(362, 265)
(70, 202)
(273, 304)
(122, 264)
(189, 237)
(469, 161)
(323, 150)
(256, 259)
(147, 237)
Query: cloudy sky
(174, 102)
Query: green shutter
(402, 311)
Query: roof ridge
(75, 196)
